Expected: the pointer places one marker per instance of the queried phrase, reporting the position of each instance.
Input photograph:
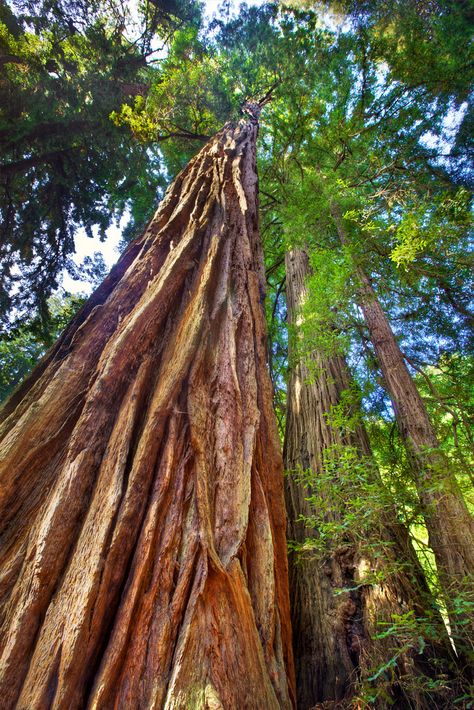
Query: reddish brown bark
(449, 523)
(143, 548)
(334, 634)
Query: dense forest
(236, 471)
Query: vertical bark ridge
(334, 635)
(150, 569)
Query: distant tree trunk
(143, 549)
(450, 525)
(333, 633)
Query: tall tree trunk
(143, 549)
(449, 523)
(334, 634)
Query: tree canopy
(365, 165)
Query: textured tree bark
(449, 523)
(143, 549)
(334, 641)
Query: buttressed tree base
(143, 550)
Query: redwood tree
(143, 550)
(448, 520)
(338, 639)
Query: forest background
(365, 169)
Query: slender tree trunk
(334, 634)
(143, 550)
(449, 523)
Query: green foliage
(345, 483)
(24, 345)
(440, 223)
(136, 119)
(425, 42)
(66, 68)
(350, 505)
(449, 396)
